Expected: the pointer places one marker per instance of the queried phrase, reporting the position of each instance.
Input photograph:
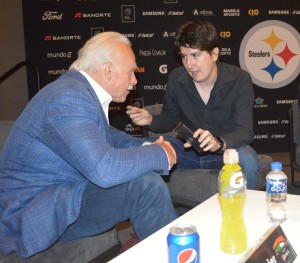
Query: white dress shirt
(104, 98)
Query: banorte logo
(188, 255)
(270, 52)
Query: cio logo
(270, 52)
(163, 69)
(253, 12)
(188, 255)
(225, 34)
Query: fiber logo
(270, 52)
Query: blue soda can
(183, 244)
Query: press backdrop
(259, 36)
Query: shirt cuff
(148, 143)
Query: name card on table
(272, 247)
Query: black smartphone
(137, 102)
(187, 134)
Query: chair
(199, 184)
(95, 249)
(294, 117)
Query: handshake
(141, 117)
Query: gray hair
(98, 50)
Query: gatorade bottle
(232, 192)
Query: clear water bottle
(276, 191)
(232, 193)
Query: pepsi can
(183, 244)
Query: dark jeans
(144, 200)
(190, 159)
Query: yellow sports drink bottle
(232, 191)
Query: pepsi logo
(188, 255)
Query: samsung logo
(279, 12)
(284, 101)
(261, 136)
(267, 122)
(153, 13)
(129, 35)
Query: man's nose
(189, 63)
(133, 79)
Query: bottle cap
(276, 166)
(231, 156)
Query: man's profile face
(124, 75)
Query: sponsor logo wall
(260, 37)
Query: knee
(151, 183)
(247, 154)
(176, 144)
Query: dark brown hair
(198, 34)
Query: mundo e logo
(270, 52)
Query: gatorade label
(237, 180)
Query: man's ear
(215, 53)
(107, 67)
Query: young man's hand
(139, 116)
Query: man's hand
(139, 116)
(206, 140)
(168, 149)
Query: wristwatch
(220, 141)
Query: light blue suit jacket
(60, 142)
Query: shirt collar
(104, 98)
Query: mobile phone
(137, 102)
(187, 134)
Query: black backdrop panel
(56, 29)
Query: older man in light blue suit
(65, 173)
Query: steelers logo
(270, 52)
